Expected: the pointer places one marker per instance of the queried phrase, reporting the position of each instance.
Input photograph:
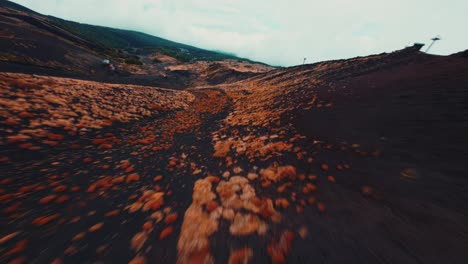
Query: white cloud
(280, 32)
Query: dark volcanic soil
(416, 116)
(353, 161)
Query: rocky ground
(308, 164)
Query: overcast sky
(280, 32)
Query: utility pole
(304, 61)
(433, 41)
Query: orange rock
(339, 167)
(155, 149)
(72, 250)
(118, 180)
(25, 114)
(299, 209)
(366, 190)
(311, 200)
(134, 207)
(60, 188)
(62, 199)
(26, 189)
(79, 236)
(18, 138)
(57, 261)
(267, 210)
(106, 146)
(171, 218)
(281, 189)
(47, 199)
(112, 213)
(166, 232)
(148, 225)
(12, 208)
(19, 247)
(211, 206)
(222, 148)
(287, 171)
(282, 203)
(43, 220)
(138, 260)
(129, 169)
(155, 204)
(105, 167)
(310, 187)
(75, 146)
(331, 178)
(212, 179)
(321, 207)
(18, 260)
(8, 237)
(50, 143)
(132, 177)
(158, 178)
(98, 141)
(96, 227)
(55, 137)
(324, 167)
(91, 188)
(240, 256)
(87, 160)
(285, 242)
(266, 184)
(303, 232)
(10, 122)
(26, 146)
(125, 165)
(276, 254)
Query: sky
(280, 33)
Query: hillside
(347, 161)
(34, 43)
(364, 155)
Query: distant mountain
(122, 39)
(34, 43)
(127, 39)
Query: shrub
(134, 61)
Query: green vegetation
(115, 39)
(133, 60)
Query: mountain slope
(347, 161)
(34, 43)
(121, 39)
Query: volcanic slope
(358, 160)
(38, 44)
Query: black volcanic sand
(416, 116)
(401, 128)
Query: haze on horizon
(280, 32)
